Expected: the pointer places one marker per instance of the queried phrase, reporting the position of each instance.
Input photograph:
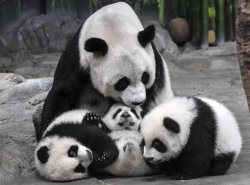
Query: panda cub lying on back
(191, 137)
(69, 146)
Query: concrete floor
(213, 74)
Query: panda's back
(228, 138)
(72, 117)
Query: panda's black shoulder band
(96, 45)
(147, 35)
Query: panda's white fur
(130, 161)
(121, 117)
(184, 111)
(60, 167)
(118, 25)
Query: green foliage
(96, 3)
(211, 12)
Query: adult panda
(189, 137)
(110, 58)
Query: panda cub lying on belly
(191, 137)
(69, 147)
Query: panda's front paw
(182, 176)
(92, 119)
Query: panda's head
(62, 159)
(121, 117)
(130, 161)
(122, 66)
(166, 130)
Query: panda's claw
(91, 118)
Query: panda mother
(110, 59)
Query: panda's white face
(62, 159)
(130, 161)
(166, 129)
(121, 117)
(124, 74)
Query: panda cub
(123, 123)
(70, 145)
(189, 137)
(121, 117)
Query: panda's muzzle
(137, 103)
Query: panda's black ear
(96, 45)
(171, 125)
(42, 154)
(147, 35)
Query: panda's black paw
(182, 176)
(92, 119)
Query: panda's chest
(92, 100)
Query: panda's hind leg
(220, 164)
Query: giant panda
(70, 146)
(110, 59)
(189, 137)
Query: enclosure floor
(195, 73)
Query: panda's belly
(92, 100)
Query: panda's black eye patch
(159, 146)
(145, 78)
(72, 152)
(122, 84)
(116, 113)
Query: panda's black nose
(137, 103)
(125, 115)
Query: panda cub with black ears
(124, 122)
(72, 144)
(189, 137)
